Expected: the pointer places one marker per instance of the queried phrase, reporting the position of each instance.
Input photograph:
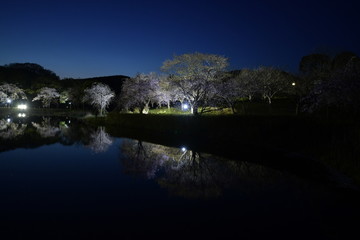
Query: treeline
(200, 81)
(32, 78)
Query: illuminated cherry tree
(99, 95)
(140, 91)
(195, 75)
(46, 96)
(11, 92)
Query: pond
(62, 179)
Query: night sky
(99, 38)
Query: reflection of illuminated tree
(45, 128)
(193, 175)
(141, 159)
(182, 172)
(99, 140)
(189, 173)
(9, 130)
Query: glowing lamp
(185, 106)
(183, 149)
(293, 84)
(22, 106)
(8, 100)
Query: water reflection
(31, 132)
(10, 130)
(180, 170)
(45, 128)
(99, 140)
(188, 173)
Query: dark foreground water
(62, 180)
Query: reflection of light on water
(21, 115)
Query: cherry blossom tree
(46, 96)
(11, 92)
(271, 81)
(235, 86)
(194, 76)
(99, 95)
(140, 91)
(340, 91)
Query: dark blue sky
(97, 38)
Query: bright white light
(293, 84)
(8, 100)
(21, 115)
(8, 120)
(183, 149)
(185, 106)
(22, 106)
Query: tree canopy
(194, 76)
(99, 95)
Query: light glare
(22, 106)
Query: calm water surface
(62, 180)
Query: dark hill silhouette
(29, 76)
(32, 76)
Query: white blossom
(46, 96)
(99, 95)
(194, 75)
(11, 92)
(140, 91)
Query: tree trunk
(168, 104)
(243, 108)
(194, 109)
(145, 109)
(269, 100)
(233, 109)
